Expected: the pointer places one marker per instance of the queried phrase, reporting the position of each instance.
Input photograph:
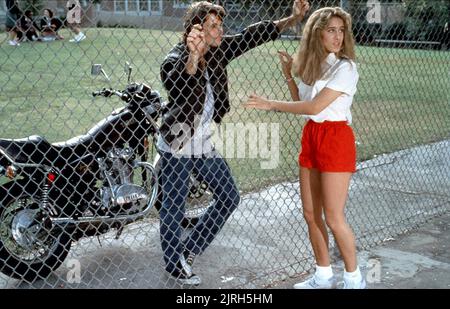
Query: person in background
(74, 20)
(27, 26)
(13, 14)
(49, 26)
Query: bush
(35, 6)
(396, 31)
(365, 33)
(425, 20)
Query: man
(13, 13)
(195, 77)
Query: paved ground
(265, 243)
(417, 259)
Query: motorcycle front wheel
(28, 250)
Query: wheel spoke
(33, 247)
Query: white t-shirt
(200, 143)
(340, 75)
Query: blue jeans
(175, 173)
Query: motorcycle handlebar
(110, 92)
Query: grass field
(403, 95)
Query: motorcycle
(84, 187)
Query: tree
(425, 20)
(34, 5)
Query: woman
(325, 65)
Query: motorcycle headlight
(11, 172)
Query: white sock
(324, 272)
(353, 276)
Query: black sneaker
(183, 275)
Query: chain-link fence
(82, 196)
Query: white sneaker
(13, 43)
(78, 38)
(314, 283)
(186, 267)
(355, 284)
(82, 37)
(183, 275)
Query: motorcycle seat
(26, 150)
(75, 141)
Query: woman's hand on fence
(257, 102)
(286, 64)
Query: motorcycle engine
(122, 194)
(128, 193)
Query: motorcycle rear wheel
(17, 260)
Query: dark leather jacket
(187, 92)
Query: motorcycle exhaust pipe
(124, 219)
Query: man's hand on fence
(197, 48)
(196, 41)
(299, 9)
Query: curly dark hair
(197, 13)
(50, 12)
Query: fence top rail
(406, 41)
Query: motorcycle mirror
(97, 69)
(128, 70)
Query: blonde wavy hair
(311, 54)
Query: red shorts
(328, 147)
